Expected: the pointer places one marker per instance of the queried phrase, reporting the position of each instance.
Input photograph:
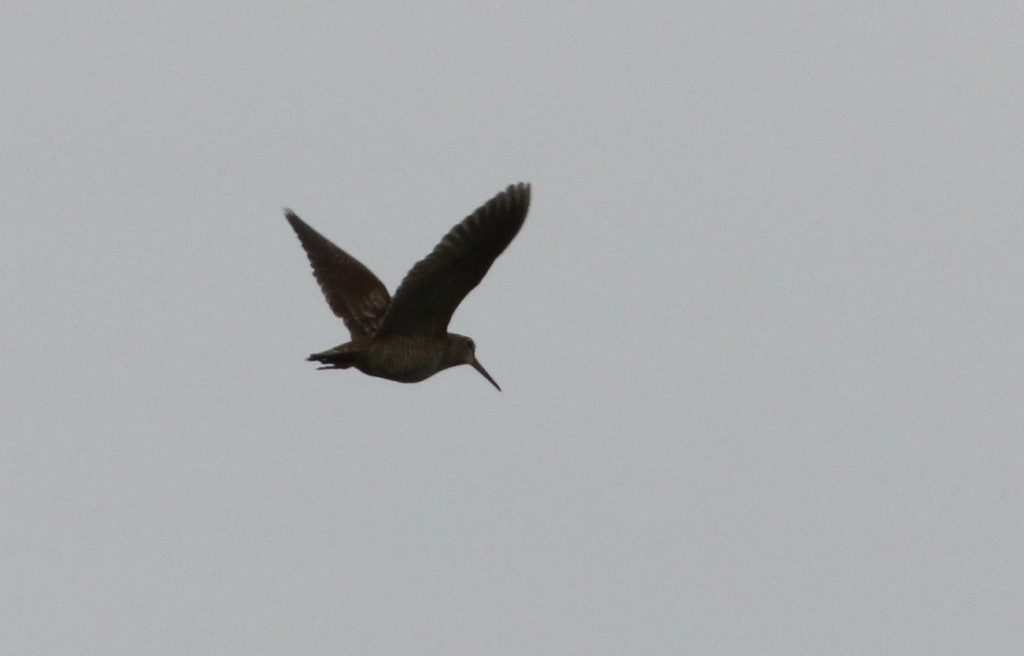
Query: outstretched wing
(427, 298)
(352, 291)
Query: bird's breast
(406, 359)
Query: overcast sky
(761, 338)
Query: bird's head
(466, 350)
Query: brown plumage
(406, 338)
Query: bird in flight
(405, 338)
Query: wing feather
(428, 296)
(354, 294)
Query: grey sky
(760, 337)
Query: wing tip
(521, 189)
(293, 219)
(516, 199)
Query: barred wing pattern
(428, 296)
(352, 291)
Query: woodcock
(406, 338)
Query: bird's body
(405, 338)
(403, 358)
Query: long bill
(479, 367)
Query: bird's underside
(402, 358)
(405, 337)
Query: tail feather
(338, 357)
